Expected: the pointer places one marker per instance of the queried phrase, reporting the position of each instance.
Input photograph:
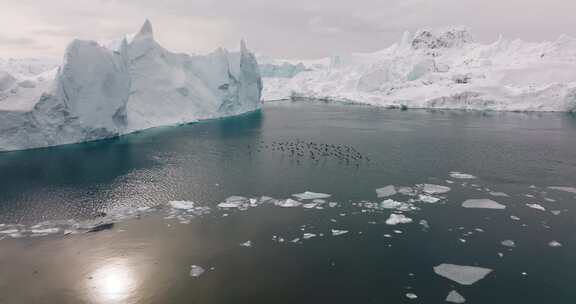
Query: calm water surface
(147, 256)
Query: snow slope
(445, 68)
(101, 92)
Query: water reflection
(113, 282)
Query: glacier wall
(444, 68)
(101, 92)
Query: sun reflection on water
(113, 282)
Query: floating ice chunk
(288, 203)
(455, 297)
(482, 204)
(45, 231)
(460, 175)
(310, 205)
(556, 212)
(307, 236)
(336, 232)
(392, 204)
(9, 231)
(411, 296)
(464, 275)
(565, 189)
(555, 244)
(536, 206)
(246, 244)
(407, 191)
(386, 191)
(508, 243)
(425, 224)
(332, 204)
(501, 194)
(428, 199)
(182, 205)
(234, 202)
(515, 218)
(196, 271)
(311, 195)
(435, 189)
(396, 219)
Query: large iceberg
(445, 68)
(105, 91)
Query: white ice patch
(460, 175)
(396, 219)
(455, 297)
(182, 205)
(411, 296)
(288, 203)
(407, 191)
(565, 189)
(246, 244)
(307, 236)
(395, 205)
(428, 199)
(501, 194)
(386, 191)
(536, 206)
(435, 189)
(464, 275)
(196, 271)
(555, 244)
(336, 232)
(482, 204)
(508, 243)
(311, 195)
(234, 202)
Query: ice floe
(246, 244)
(395, 205)
(196, 271)
(311, 195)
(307, 236)
(508, 243)
(564, 189)
(536, 206)
(411, 296)
(555, 244)
(435, 189)
(182, 205)
(460, 175)
(336, 232)
(396, 219)
(501, 194)
(482, 204)
(288, 203)
(464, 275)
(455, 297)
(386, 191)
(428, 199)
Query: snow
(455, 297)
(482, 204)
(196, 271)
(99, 92)
(445, 68)
(464, 275)
(396, 219)
(386, 191)
(311, 195)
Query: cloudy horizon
(287, 29)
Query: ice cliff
(105, 91)
(445, 68)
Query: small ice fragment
(396, 219)
(398, 231)
(428, 199)
(482, 204)
(288, 203)
(424, 224)
(307, 236)
(435, 189)
(406, 191)
(460, 175)
(501, 194)
(392, 204)
(311, 195)
(182, 205)
(536, 206)
(513, 217)
(555, 244)
(464, 275)
(387, 235)
(309, 205)
(565, 189)
(332, 204)
(455, 297)
(196, 271)
(246, 244)
(556, 212)
(500, 254)
(508, 243)
(411, 296)
(386, 191)
(233, 202)
(336, 232)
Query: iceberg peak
(442, 38)
(146, 30)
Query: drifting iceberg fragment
(311, 195)
(386, 191)
(182, 205)
(460, 175)
(508, 243)
(196, 271)
(455, 297)
(482, 204)
(536, 206)
(464, 275)
(396, 219)
(435, 189)
(336, 232)
(565, 189)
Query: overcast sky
(284, 29)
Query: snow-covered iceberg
(105, 91)
(445, 68)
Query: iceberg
(446, 69)
(482, 204)
(105, 91)
(396, 219)
(464, 275)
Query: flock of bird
(300, 150)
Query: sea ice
(502, 194)
(396, 219)
(392, 204)
(246, 244)
(555, 244)
(464, 275)
(536, 206)
(565, 189)
(196, 271)
(455, 297)
(482, 204)
(311, 195)
(508, 243)
(459, 175)
(411, 296)
(307, 236)
(182, 205)
(428, 199)
(336, 232)
(386, 191)
(435, 189)
(288, 203)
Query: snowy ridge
(445, 68)
(100, 92)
